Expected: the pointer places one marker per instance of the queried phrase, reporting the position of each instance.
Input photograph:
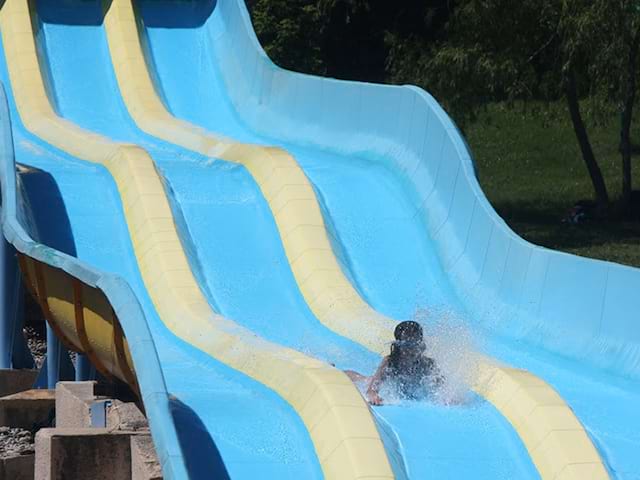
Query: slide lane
(371, 226)
(335, 415)
(232, 256)
(102, 291)
(492, 461)
(238, 254)
(376, 226)
(210, 397)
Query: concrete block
(91, 453)
(80, 390)
(126, 416)
(73, 400)
(74, 431)
(30, 409)
(14, 381)
(17, 468)
(144, 462)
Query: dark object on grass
(635, 205)
(581, 212)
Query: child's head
(409, 343)
(408, 331)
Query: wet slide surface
(444, 441)
(238, 253)
(230, 423)
(387, 254)
(254, 430)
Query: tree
(578, 27)
(361, 33)
(347, 39)
(496, 50)
(597, 180)
(628, 95)
(489, 51)
(614, 69)
(472, 52)
(291, 32)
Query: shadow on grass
(541, 223)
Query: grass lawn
(530, 168)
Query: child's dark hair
(409, 337)
(408, 331)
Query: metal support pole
(84, 370)
(8, 274)
(58, 363)
(54, 349)
(21, 355)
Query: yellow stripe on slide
(553, 436)
(284, 185)
(339, 421)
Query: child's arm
(356, 376)
(437, 378)
(434, 380)
(373, 392)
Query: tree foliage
(348, 39)
(490, 51)
(291, 33)
(471, 52)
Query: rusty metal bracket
(44, 305)
(118, 340)
(82, 331)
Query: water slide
(226, 237)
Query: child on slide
(407, 371)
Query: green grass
(530, 167)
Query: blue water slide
(223, 423)
(411, 223)
(236, 251)
(18, 227)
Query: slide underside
(298, 229)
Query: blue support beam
(13, 350)
(58, 364)
(6, 307)
(21, 355)
(84, 370)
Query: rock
(37, 344)
(15, 441)
(126, 416)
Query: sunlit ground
(530, 167)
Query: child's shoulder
(428, 362)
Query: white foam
(455, 349)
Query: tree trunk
(600, 189)
(629, 96)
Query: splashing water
(455, 349)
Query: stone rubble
(37, 345)
(15, 442)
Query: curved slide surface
(208, 396)
(302, 215)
